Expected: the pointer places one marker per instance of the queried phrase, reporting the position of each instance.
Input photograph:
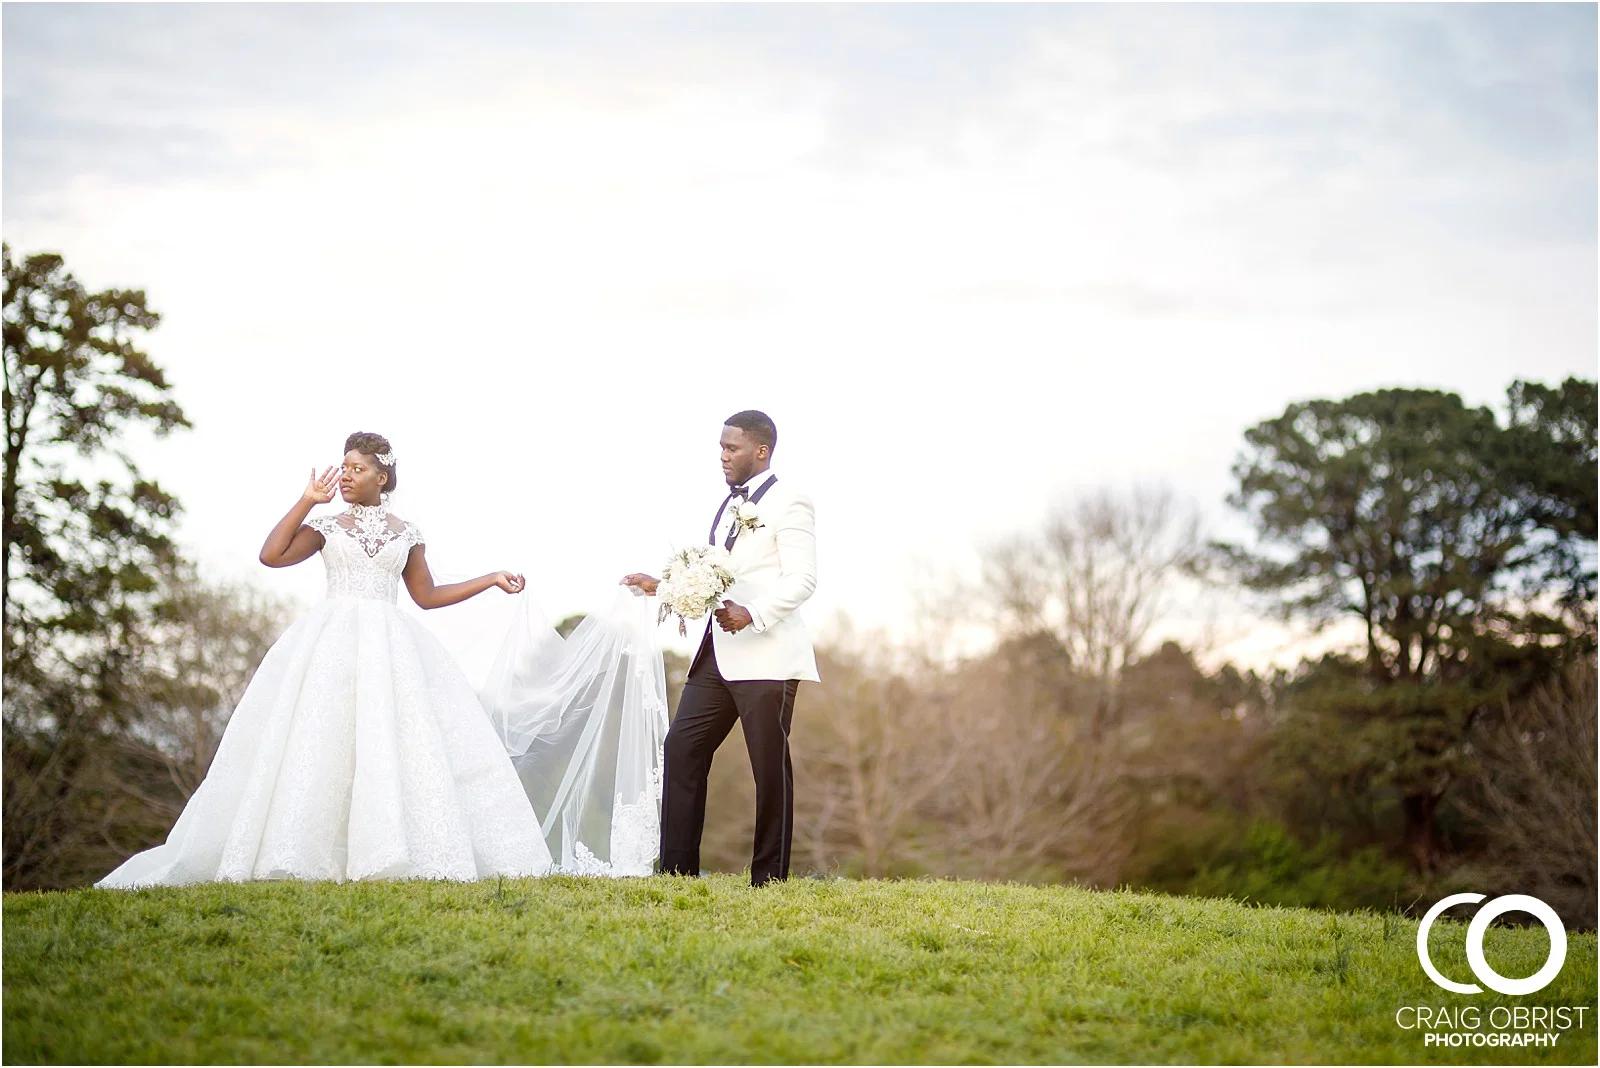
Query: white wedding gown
(360, 751)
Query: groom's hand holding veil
(645, 584)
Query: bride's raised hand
(322, 488)
(509, 582)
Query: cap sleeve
(324, 524)
(413, 535)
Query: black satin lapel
(733, 534)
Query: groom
(751, 660)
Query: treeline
(1453, 749)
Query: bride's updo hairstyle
(374, 445)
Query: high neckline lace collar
(369, 512)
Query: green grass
(686, 971)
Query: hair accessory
(385, 458)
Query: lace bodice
(365, 549)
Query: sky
(972, 259)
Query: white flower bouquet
(692, 581)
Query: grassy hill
(673, 970)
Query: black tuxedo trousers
(707, 711)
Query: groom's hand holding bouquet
(691, 583)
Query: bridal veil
(583, 719)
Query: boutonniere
(747, 516)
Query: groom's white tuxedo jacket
(774, 570)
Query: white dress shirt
(725, 527)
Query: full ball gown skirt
(358, 751)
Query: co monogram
(1480, 923)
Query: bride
(360, 751)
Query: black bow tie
(739, 491)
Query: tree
(1096, 579)
(874, 751)
(1535, 795)
(203, 645)
(84, 544)
(78, 803)
(1550, 465)
(1403, 509)
(80, 547)
(1035, 793)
